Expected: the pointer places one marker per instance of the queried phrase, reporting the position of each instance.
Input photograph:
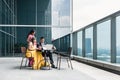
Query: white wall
(88, 11)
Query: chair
(23, 50)
(64, 55)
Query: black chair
(64, 55)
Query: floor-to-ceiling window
(7, 41)
(118, 39)
(7, 33)
(103, 41)
(89, 42)
(79, 43)
(68, 41)
(33, 14)
(0, 42)
(61, 18)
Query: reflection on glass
(118, 38)
(68, 41)
(79, 41)
(62, 44)
(58, 32)
(6, 41)
(103, 41)
(60, 18)
(89, 42)
(61, 12)
(12, 38)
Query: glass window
(0, 42)
(79, 41)
(118, 38)
(61, 16)
(68, 41)
(65, 44)
(89, 42)
(103, 41)
(62, 44)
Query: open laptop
(48, 47)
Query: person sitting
(48, 54)
(38, 59)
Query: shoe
(53, 66)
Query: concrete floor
(9, 70)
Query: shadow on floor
(30, 68)
(23, 68)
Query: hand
(39, 48)
(54, 48)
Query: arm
(54, 48)
(39, 47)
(28, 39)
(31, 47)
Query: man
(48, 53)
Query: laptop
(48, 47)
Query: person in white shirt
(48, 53)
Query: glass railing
(99, 40)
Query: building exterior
(8, 15)
(23, 12)
(34, 12)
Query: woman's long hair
(32, 40)
(32, 31)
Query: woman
(30, 35)
(38, 59)
(29, 39)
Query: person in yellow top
(38, 59)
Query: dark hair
(41, 38)
(32, 40)
(32, 31)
